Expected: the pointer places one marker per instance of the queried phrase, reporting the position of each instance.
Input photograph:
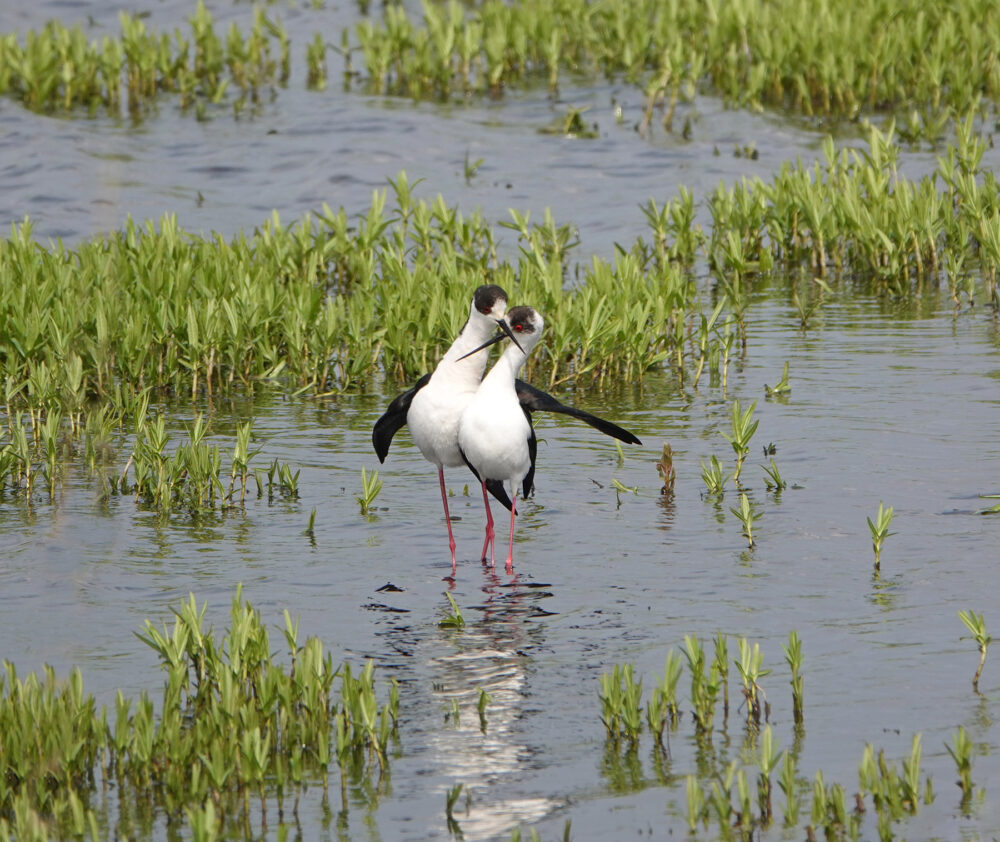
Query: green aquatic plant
(895, 793)
(750, 668)
(720, 669)
(712, 476)
(60, 751)
(753, 54)
(58, 69)
(695, 802)
(470, 167)
(789, 784)
(773, 480)
(704, 686)
(621, 708)
(793, 657)
(743, 426)
(571, 124)
(992, 510)
(961, 751)
(782, 387)
(454, 618)
(879, 529)
(977, 626)
(665, 468)
(662, 709)
(719, 800)
(451, 798)
(484, 700)
(318, 307)
(371, 485)
(746, 516)
(622, 489)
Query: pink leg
(447, 519)
(510, 553)
(489, 528)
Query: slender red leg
(489, 528)
(510, 552)
(447, 519)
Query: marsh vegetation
(185, 411)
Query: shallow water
(882, 408)
(77, 177)
(886, 405)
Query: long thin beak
(506, 333)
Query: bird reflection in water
(484, 752)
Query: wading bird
(495, 435)
(434, 406)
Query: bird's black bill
(506, 334)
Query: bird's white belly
(496, 443)
(433, 420)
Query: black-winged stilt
(434, 406)
(495, 435)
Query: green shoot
(793, 657)
(773, 479)
(961, 752)
(746, 516)
(470, 168)
(992, 510)
(371, 485)
(455, 619)
(977, 625)
(712, 475)
(743, 428)
(484, 700)
(665, 468)
(781, 387)
(880, 531)
(695, 802)
(750, 668)
(622, 489)
(449, 806)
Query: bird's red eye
(484, 310)
(519, 328)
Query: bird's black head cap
(486, 297)
(522, 319)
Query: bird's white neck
(506, 368)
(469, 370)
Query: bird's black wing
(538, 401)
(496, 488)
(393, 418)
(529, 478)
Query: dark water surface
(885, 406)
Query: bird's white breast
(433, 420)
(494, 434)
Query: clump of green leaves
(621, 708)
(743, 428)
(58, 69)
(371, 485)
(662, 710)
(712, 476)
(190, 755)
